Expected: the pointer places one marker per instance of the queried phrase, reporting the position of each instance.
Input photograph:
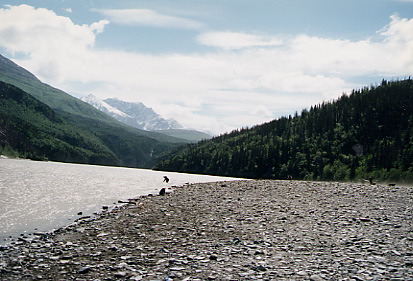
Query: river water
(42, 196)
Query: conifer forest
(367, 133)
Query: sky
(213, 65)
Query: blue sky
(212, 65)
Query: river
(42, 196)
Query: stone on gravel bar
(233, 230)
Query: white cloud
(215, 91)
(55, 45)
(149, 18)
(191, 119)
(399, 43)
(236, 40)
(262, 111)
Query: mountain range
(137, 115)
(134, 114)
(39, 121)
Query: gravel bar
(235, 230)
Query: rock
(409, 262)
(301, 273)
(120, 274)
(84, 270)
(177, 268)
(365, 219)
(316, 277)
(259, 268)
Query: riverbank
(238, 230)
(42, 196)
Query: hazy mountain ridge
(136, 115)
(190, 135)
(103, 106)
(142, 117)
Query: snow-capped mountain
(103, 106)
(134, 114)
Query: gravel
(238, 230)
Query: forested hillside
(31, 129)
(366, 133)
(77, 132)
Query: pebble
(83, 270)
(240, 230)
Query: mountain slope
(143, 117)
(31, 129)
(133, 114)
(132, 147)
(60, 101)
(56, 99)
(104, 107)
(191, 135)
(367, 133)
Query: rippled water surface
(42, 196)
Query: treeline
(366, 133)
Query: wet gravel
(238, 230)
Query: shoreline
(43, 196)
(234, 230)
(30, 236)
